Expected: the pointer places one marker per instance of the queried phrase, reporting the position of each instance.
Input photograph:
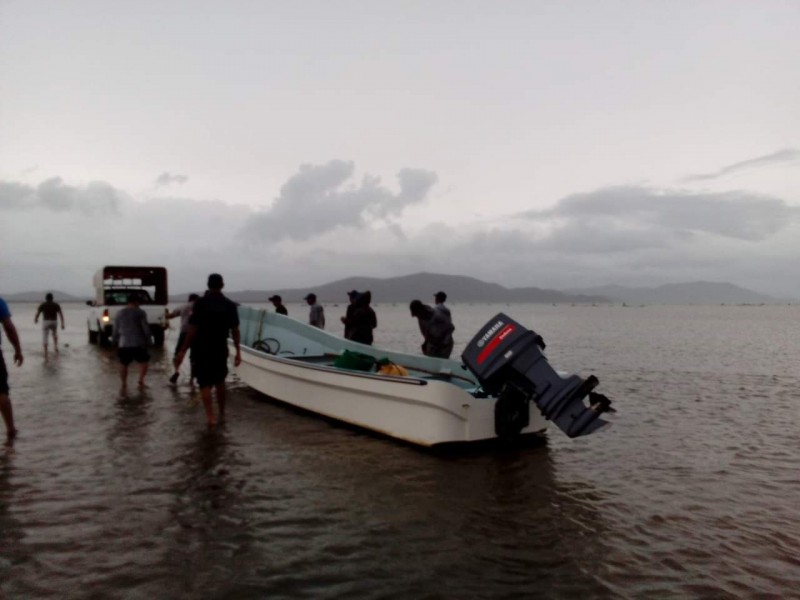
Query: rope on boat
(260, 323)
(263, 346)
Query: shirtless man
(50, 312)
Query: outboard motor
(507, 359)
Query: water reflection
(11, 550)
(208, 535)
(133, 414)
(110, 496)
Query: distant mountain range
(698, 292)
(422, 286)
(39, 297)
(468, 289)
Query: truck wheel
(92, 337)
(158, 336)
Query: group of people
(316, 314)
(435, 323)
(206, 323)
(359, 320)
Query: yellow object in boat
(393, 369)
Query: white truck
(112, 287)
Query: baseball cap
(352, 293)
(310, 297)
(273, 298)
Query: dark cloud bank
(633, 235)
(321, 198)
(623, 219)
(96, 197)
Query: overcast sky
(553, 144)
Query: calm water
(693, 492)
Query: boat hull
(436, 408)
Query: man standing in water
(184, 312)
(316, 314)
(348, 316)
(213, 317)
(5, 401)
(436, 329)
(50, 312)
(131, 336)
(440, 329)
(277, 302)
(363, 320)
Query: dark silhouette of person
(363, 321)
(278, 303)
(213, 317)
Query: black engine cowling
(507, 359)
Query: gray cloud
(776, 158)
(318, 199)
(627, 235)
(621, 219)
(96, 197)
(168, 179)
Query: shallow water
(691, 493)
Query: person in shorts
(50, 312)
(5, 400)
(184, 312)
(213, 318)
(131, 336)
(316, 314)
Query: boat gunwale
(408, 380)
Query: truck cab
(113, 285)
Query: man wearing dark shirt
(277, 302)
(213, 316)
(347, 319)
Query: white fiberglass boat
(431, 401)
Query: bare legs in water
(8, 416)
(123, 375)
(208, 404)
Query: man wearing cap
(347, 319)
(213, 317)
(279, 307)
(316, 314)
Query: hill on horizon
(697, 292)
(460, 288)
(39, 297)
(422, 286)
